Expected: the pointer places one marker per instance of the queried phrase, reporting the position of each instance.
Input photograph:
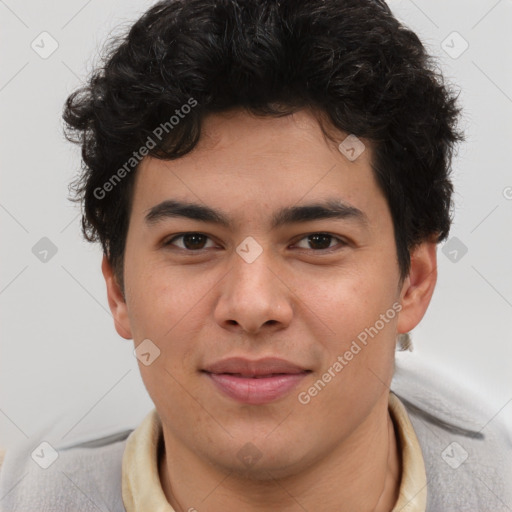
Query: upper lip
(248, 367)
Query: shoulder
(40, 475)
(466, 447)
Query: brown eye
(190, 241)
(320, 241)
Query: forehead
(246, 163)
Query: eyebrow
(329, 209)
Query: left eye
(321, 241)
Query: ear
(116, 301)
(418, 286)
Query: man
(269, 181)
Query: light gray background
(61, 359)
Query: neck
(363, 474)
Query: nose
(253, 297)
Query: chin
(260, 463)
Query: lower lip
(256, 391)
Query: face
(314, 289)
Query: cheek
(170, 308)
(163, 300)
(361, 313)
(349, 303)
(358, 354)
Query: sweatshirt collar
(142, 489)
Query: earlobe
(116, 301)
(418, 287)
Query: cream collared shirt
(143, 491)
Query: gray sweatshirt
(467, 454)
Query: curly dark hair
(350, 60)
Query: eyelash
(341, 242)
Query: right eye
(190, 242)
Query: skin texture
(297, 301)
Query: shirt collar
(142, 490)
(412, 495)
